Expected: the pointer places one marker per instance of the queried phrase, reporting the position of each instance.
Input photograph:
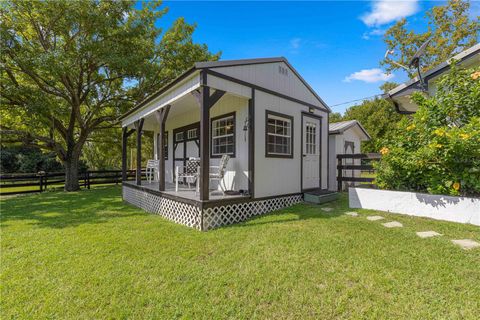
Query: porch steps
(319, 196)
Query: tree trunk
(71, 174)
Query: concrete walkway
(465, 244)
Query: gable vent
(283, 71)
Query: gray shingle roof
(342, 126)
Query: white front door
(311, 152)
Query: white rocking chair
(218, 172)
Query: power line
(361, 99)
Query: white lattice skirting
(213, 217)
(232, 213)
(176, 211)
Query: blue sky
(335, 45)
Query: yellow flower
(384, 150)
(439, 132)
(475, 75)
(411, 127)
(456, 186)
(464, 136)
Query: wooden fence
(38, 182)
(364, 166)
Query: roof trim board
(462, 56)
(345, 125)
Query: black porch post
(251, 145)
(139, 127)
(124, 153)
(204, 138)
(161, 116)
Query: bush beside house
(438, 149)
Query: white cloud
(374, 32)
(369, 76)
(295, 43)
(386, 11)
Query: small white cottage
(345, 137)
(233, 139)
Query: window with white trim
(223, 136)
(279, 135)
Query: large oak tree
(70, 68)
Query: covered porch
(184, 192)
(194, 120)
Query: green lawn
(88, 255)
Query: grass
(89, 255)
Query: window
(311, 138)
(179, 136)
(223, 135)
(279, 135)
(192, 134)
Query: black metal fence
(16, 183)
(365, 168)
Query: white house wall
(183, 88)
(276, 176)
(337, 142)
(236, 177)
(268, 76)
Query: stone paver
(392, 224)
(375, 218)
(352, 214)
(466, 244)
(327, 209)
(428, 234)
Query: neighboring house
(401, 95)
(345, 137)
(260, 112)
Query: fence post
(339, 173)
(41, 183)
(88, 179)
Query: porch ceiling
(181, 99)
(186, 103)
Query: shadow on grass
(302, 211)
(61, 209)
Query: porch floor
(184, 191)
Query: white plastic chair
(151, 169)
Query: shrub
(438, 149)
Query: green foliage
(387, 86)
(378, 117)
(438, 150)
(450, 28)
(27, 159)
(335, 117)
(70, 68)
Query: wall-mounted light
(311, 109)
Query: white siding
(277, 176)
(268, 76)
